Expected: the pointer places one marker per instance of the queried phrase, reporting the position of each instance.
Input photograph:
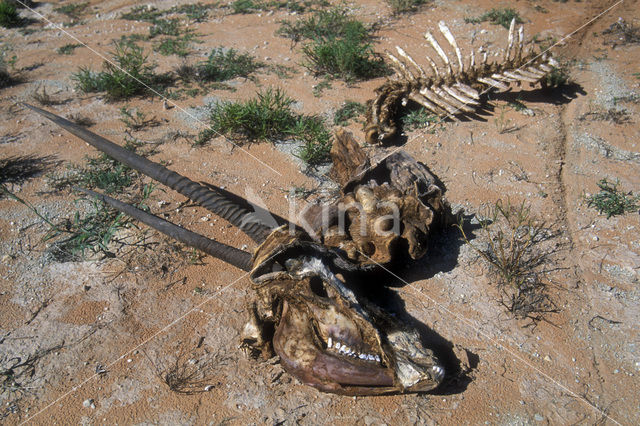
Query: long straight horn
(206, 197)
(236, 257)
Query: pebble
(88, 403)
(538, 418)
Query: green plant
(403, 6)
(513, 237)
(558, 76)
(245, 6)
(266, 117)
(178, 46)
(335, 22)
(636, 75)
(349, 58)
(145, 13)
(269, 116)
(611, 201)
(127, 75)
(226, 64)
(349, 110)
(9, 17)
(418, 119)
(503, 124)
(169, 27)
(68, 49)
(497, 17)
(6, 79)
(321, 87)
(73, 10)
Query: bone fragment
(433, 97)
(439, 51)
(460, 96)
(467, 90)
(409, 59)
(452, 41)
(494, 83)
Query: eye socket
(317, 286)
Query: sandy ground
(100, 334)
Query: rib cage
(453, 88)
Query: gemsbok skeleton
(453, 88)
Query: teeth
(438, 372)
(345, 350)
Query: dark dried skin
(310, 296)
(409, 80)
(307, 293)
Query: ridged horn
(200, 194)
(236, 257)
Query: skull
(326, 332)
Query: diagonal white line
(155, 92)
(138, 346)
(476, 327)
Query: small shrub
(178, 46)
(6, 79)
(513, 252)
(335, 22)
(419, 119)
(67, 49)
(611, 201)
(348, 58)
(403, 6)
(269, 117)
(226, 64)
(130, 76)
(73, 10)
(245, 6)
(497, 17)
(143, 13)
(349, 110)
(9, 17)
(169, 27)
(559, 76)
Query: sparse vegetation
(270, 117)
(558, 76)
(9, 17)
(621, 33)
(191, 374)
(349, 58)
(611, 201)
(502, 17)
(127, 76)
(339, 47)
(68, 49)
(404, 6)
(252, 6)
(617, 116)
(73, 10)
(503, 124)
(335, 22)
(348, 111)
(41, 96)
(136, 120)
(418, 119)
(513, 253)
(226, 64)
(6, 79)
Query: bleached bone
(409, 59)
(439, 51)
(460, 96)
(448, 93)
(452, 41)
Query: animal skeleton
(457, 88)
(324, 325)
